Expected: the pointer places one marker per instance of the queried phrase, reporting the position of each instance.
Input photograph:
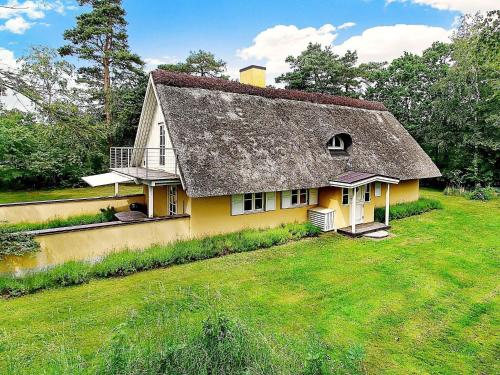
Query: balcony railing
(143, 160)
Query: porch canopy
(111, 178)
(352, 180)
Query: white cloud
(31, 9)
(463, 6)
(17, 25)
(7, 59)
(385, 43)
(346, 25)
(280, 41)
(153, 62)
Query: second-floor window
(162, 144)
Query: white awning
(106, 179)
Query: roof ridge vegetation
(218, 84)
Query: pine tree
(100, 37)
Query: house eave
(378, 178)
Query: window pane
(345, 196)
(258, 195)
(303, 196)
(295, 199)
(258, 203)
(248, 205)
(248, 196)
(337, 141)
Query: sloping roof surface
(230, 143)
(351, 177)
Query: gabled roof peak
(217, 84)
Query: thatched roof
(230, 143)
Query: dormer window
(336, 143)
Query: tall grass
(151, 341)
(104, 216)
(129, 261)
(402, 210)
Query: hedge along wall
(40, 211)
(95, 240)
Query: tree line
(447, 98)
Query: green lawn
(66, 193)
(423, 301)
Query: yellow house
(232, 155)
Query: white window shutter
(378, 189)
(270, 201)
(313, 196)
(286, 199)
(237, 204)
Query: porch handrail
(148, 158)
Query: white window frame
(253, 199)
(378, 189)
(163, 143)
(172, 200)
(332, 141)
(368, 191)
(298, 193)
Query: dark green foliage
(481, 194)
(321, 70)
(200, 63)
(100, 37)
(17, 244)
(448, 100)
(402, 210)
(40, 155)
(129, 262)
(107, 214)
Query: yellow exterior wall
(212, 215)
(39, 212)
(405, 191)
(208, 216)
(254, 77)
(90, 244)
(160, 200)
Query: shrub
(481, 194)
(128, 262)
(107, 214)
(17, 244)
(401, 210)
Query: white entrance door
(360, 201)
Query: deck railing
(143, 158)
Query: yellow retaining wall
(212, 215)
(34, 212)
(331, 197)
(87, 244)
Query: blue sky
(247, 31)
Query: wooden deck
(364, 228)
(146, 174)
